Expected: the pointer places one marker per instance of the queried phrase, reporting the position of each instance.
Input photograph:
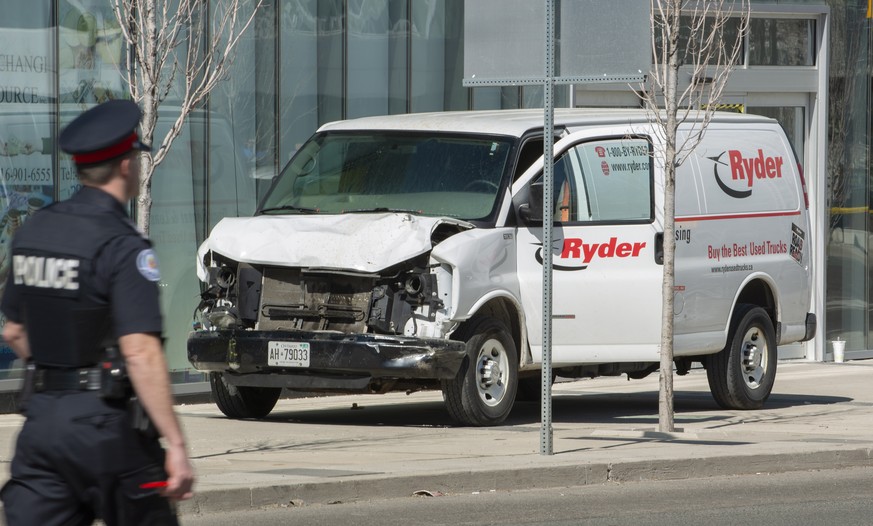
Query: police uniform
(82, 276)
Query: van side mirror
(532, 211)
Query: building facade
(307, 62)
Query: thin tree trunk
(665, 392)
(144, 200)
(150, 104)
(704, 53)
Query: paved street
(807, 497)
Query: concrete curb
(537, 477)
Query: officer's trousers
(78, 458)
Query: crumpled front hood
(364, 242)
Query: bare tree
(190, 40)
(703, 39)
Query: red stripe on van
(737, 216)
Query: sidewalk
(344, 448)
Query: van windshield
(437, 175)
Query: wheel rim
(491, 367)
(754, 355)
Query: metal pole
(548, 197)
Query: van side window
(530, 152)
(567, 204)
(604, 181)
(617, 178)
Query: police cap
(103, 133)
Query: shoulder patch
(147, 264)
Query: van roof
(511, 122)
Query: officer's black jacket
(81, 276)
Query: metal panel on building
(597, 41)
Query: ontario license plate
(288, 354)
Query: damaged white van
(405, 252)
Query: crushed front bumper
(352, 359)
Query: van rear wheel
(741, 375)
(242, 402)
(483, 391)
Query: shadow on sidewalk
(599, 409)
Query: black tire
(483, 392)
(242, 402)
(742, 374)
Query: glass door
(791, 110)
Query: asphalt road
(840, 497)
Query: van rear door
(606, 278)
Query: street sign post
(601, 41)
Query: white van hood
(364, 242)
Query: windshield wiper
(287, 208)
(380, 209)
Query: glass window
(849, 287)
(604, 181)
(617, 179)
(369, 50)
(173, 230)
(91, 53)
(27, 126)
(434, 174)
(781, 42)
(331, 59)
(261, 54)
(534, 96)
(457, 97)
(428, 62)
(398, 54)
(495, 98)
(731, 35)
(298, 81)
(240, 146)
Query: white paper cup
(839, 347)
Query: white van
(405, 252)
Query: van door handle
(659, 248)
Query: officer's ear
(129, 164)
(128, 170)
(124, 167)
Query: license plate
(288, 354)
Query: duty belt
(83, 379)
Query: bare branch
(158, 32)
(708, 58)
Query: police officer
(83, 283)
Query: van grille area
(311, 301)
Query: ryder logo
(577, 254)
(744, 171)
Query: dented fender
(483, 263)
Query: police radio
(114, 383)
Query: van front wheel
(242, 402)
(741, 376)
(483, 391)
